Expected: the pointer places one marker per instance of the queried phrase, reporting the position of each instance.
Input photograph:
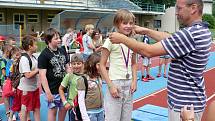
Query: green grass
(40, 46)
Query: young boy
(121, 79)
(87, 41)
(146, 63)
(52, 64)
(70, 82)
(165, 59)
(27, 93)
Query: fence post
(20, 35)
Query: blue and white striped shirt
(189, 49)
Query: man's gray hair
(198, 2)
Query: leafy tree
(210, 19)
(168, 3)
(148, 1)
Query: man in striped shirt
(189, 48)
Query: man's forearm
(156, 35)
(144, 49)
(137, 47)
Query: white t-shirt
(117, 69)
(66, 39)
(25, 83)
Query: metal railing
(149, 6)
(48, 2)
(108, 4)
(153, 7)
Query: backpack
(76, 107)
(4, 60)
(2, 76)
(15, 76)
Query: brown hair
(90, 65)
(123, 15)
(76, 58)
(6, 50)
(14, 50)
(26, 41)
(95, 32)
(50, 33)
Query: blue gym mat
(150, 113)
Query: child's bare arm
(103, 62)
(3, 72)
(42, 75)
(113, 90)
(61, 93)
(66, 104)
(31, 73)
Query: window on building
(1, 17)
(19, 19)
(157, 23)
(146, 23)
(33, 18)
(50, 17)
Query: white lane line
(137, 100)
(149, 95)
(210, 97)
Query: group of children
(146, 62)
(19, 80)
(74, 83)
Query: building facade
(37, 15)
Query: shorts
(147, 61)
(28, 99)
(56, 102)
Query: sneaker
(8, 114)
(150, 77)
(14, 117)
(159, 75)
(145, 79)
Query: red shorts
(30, 99)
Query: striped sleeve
(179, 44)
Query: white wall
(208, 7)
(169, 21)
